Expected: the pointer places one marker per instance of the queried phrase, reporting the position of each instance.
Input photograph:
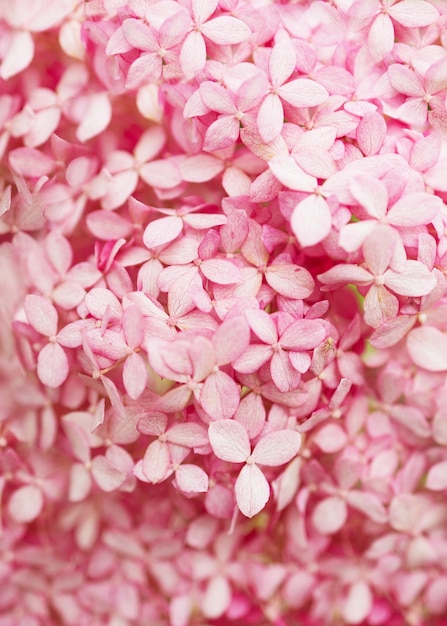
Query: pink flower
(222, 30)
(412, 279)
(230, 442)
(286, 347)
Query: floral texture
(223, 312)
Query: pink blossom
(223, 312)
(230, 442)
(412, 279)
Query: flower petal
(330, 515)
(252, 490)
(52, 365)
(427, 347)
(41, 315)
(25, 504)
(191, 479)
(229, 441)
(277, 448)
(311, 220)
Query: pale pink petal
(330, 515)
(287, 171)
(25, 504)
(236, 182)
(411, 418)
(133, 326)
(303, 335)
(300, 361)
(217, 98)
(229, 441)
(404, 80)
(343, 274)
(371, 133)
(303, 92)
(79, 440)
(378, 249)
(380, 305)
(152, 423)
(262, 325)
(331, 438)
(162, 173)
(406, 511)
(191, 479)
(41, 315)
(414, 111)
(30, 162)
(277, 448)
(180, 609)
(353, 235)
(44, 124)
(150, 144)
(436, 78)
(381, 37)
(188, 434)
(52, 365)
(221, 271)
(96, 118)
(316, 162)
(251, 414)
(284, 375)
(156, 461)
(19, 54)
(203, 9)
(370, 193)
(414, 209)
(221, 134)
(230, 340)
(120, 189)
(139, 35)
(107, 477)
(134, 375)
(114, 396)
(59, 252)
(226, 30)
(358, 603)
(144, 69)
(203, 221)
(391, 332)
(270, 117)
(282, 61)
(120, 458)
(416, 280)
(201, 168)
(435, 596)
(209, 245)
(217, 597)
(369, 504)
(290, 281)
(193, 54)
(253, 358)
(80, 483)
(162, 231)
(311, 220)
(414, 14)
(252, 490)
(100, 301)
(427, 347)
(80, 170)
(286, 485)
(437, 477)
(220, 396)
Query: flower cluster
(223, 312)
